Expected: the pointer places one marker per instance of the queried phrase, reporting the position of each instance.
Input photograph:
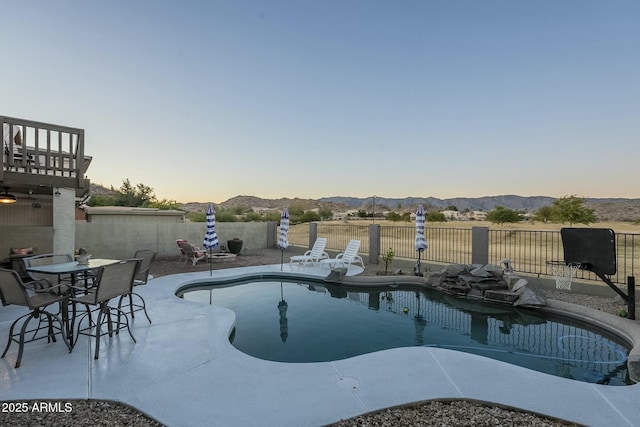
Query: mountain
(607, 209)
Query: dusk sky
(206, 100)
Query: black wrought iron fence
(446, 245)
(528, 251)
(338, 235)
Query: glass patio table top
(71, 267)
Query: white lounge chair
(191, 252)
(315, 255)
(346, 258)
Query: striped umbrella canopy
(284, 229)
(421, 242)
(211, 237)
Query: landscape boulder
(489, 282)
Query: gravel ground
(434, 413)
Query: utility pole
(373, 214)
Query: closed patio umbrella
(210, 238)
(284, 229)
(421, 242)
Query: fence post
(313, 233)
(480, 245)
(272, 232)
(374, 243)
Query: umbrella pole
(281, 258)
(210, 264)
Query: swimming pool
(309, 321)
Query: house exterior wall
(27, 212)
(64, 223)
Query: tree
(501, 215)
(198, 216)
(165, 204)
(251, 216)
(571, 209)
(393, 216)
(435, 217)
(139, 195)
(325, 213)
(310, 216)
(452, 208)
(223, 215)
(544, 214)
(273, 216)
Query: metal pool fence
(528, 251)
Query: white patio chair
(315, 255)
(192, 252)
(346, 258)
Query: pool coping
(183, 371)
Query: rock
(488, 270)
(530, 299)
(510, 279)
(454, 270)
(520, 283)
(434, 279)
(336, 275)
(481, 272)
(501, 296)
(489, 282)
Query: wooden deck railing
(34, 149)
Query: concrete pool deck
(184, 372)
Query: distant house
(477, 215)
(450, 215)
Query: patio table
(73, 269)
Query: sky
(206, 100)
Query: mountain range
(607, 209)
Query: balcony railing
(36, 153)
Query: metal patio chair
(47, 259)
(14, 292)
(147, 256)
(112, 281)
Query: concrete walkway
(184, 372)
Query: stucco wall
(122, 240)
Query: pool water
(315, 322)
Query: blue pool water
(313, 322)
